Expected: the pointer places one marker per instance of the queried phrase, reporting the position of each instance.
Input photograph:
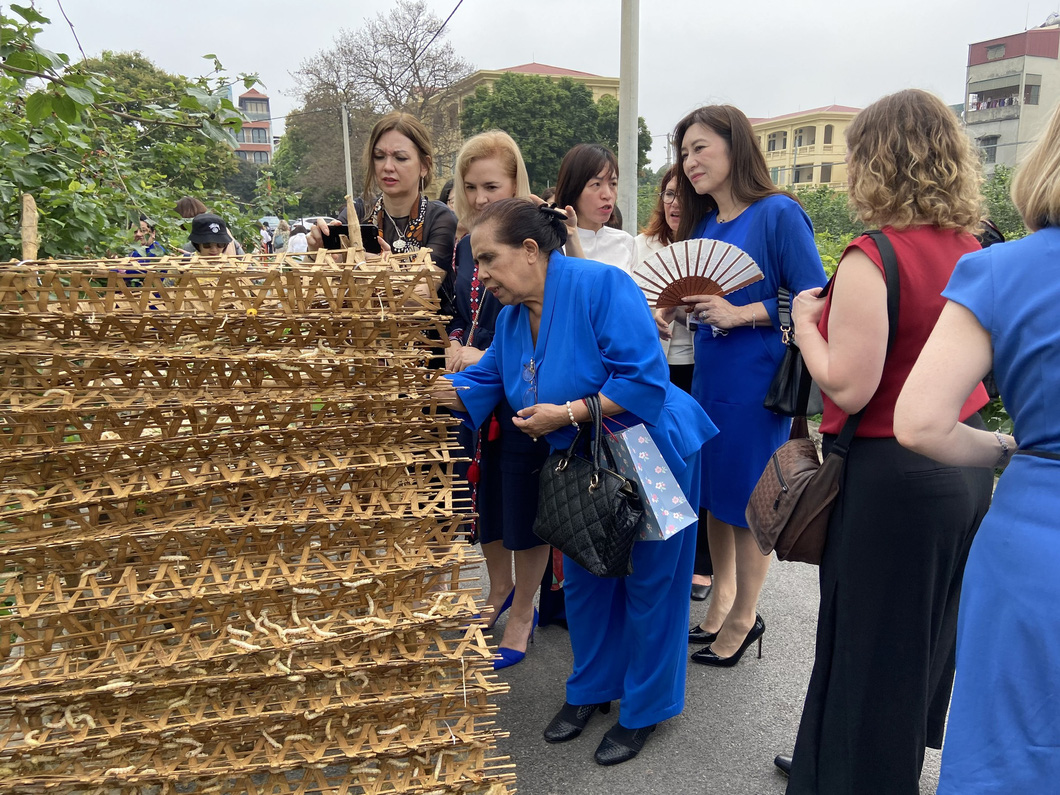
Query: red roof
(253, 93)
(534, 68)
(825, 109)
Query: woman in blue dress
(505, 464)
(726, 194)
(1003, 734)
(571, 328)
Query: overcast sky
(768, 58)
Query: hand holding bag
(792, 392)
(792, 502)
(585, 508)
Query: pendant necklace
(399, 244)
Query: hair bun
(557, 219)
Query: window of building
(805, 136)
(1030, 94)
(828, 129)
(242, 155)
(995, 53)
(261, 157)
(777, 141)
(259, 135)
(255, 106)
(241, 137)
(988, 148)
(803, 174)
(774, 174)
(826, 172)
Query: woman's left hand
(714, 310)
(807, 308)
(541, 419)
(460, 357)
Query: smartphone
(370, 238)
(333, 240)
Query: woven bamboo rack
(228, 524)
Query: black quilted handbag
(585, 508)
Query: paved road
(735, 719)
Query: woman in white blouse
(588, 182)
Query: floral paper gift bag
(666, 509)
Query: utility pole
(628, 129)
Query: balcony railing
(992, 114)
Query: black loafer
(621, 744)
(697, 635)
(783, 764)
(700, 592)
(570, 720)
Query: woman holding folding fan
(726, 194)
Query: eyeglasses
(668, 196)
(530, 377)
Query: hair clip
(553, 212)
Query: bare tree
(397, 61)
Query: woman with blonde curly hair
(902, 524)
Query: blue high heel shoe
(510, 657)
(499, 613)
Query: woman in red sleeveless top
(902, 525)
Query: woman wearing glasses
(677, 343)
(570, 329)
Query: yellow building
(600, 86)
(807, 147)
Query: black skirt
(890, 577)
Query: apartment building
(255, 140)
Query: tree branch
(59, 81)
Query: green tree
(546, 117)
(997, 191)
(89, 183)
(607, 128)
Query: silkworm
(245, 646)
(270, 741)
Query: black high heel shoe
(571, 719)
(707, 656)
(698, 635)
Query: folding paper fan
(694, 267)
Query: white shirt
(297, 244)
(610, 246)
(679, 348)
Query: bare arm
(927, 416)
(544, 418)
(849, 365)
(717, 311)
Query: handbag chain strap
(890, 271)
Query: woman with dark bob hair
(902, 524)
(726, 194)
(588, 182)
(571, 328)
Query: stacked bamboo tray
(227, 533)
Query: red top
(926, 258)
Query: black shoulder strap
(890, 271)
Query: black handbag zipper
(783, 485)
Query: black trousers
(681, 377)
(890, 577)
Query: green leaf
(38, 106)
(80, 95)
(74, 185)
(28, 13)
(65, 108)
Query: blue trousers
(629, 634)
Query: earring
(421, 183)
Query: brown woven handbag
(792, 502)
